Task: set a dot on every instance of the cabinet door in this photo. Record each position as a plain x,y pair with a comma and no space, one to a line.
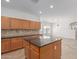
26,47
5,45
5,22
34,54
25,43
16,23
25,24
37,25
57,50
46,52
16,43
32,25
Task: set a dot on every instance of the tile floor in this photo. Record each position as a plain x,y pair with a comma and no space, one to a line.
68,51
18,54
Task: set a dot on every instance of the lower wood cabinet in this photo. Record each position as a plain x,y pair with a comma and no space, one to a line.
50,51
46,52
5,45
57,49
16,43
34,54
27,49
11,44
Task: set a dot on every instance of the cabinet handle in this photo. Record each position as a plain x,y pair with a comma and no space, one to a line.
55,47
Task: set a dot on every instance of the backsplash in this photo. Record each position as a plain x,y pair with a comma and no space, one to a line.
5,33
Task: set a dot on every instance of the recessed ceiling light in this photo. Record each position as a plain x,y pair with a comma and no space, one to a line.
51,6
40,12
7,0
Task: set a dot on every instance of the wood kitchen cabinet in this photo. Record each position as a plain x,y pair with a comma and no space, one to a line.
25,24
35,25
10,44
16,43
57,50
5,45
32,51
46,52
27,49
32,25
34,54
19,24
49,51
16,23
5,22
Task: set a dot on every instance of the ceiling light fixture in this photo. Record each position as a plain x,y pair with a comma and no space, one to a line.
51,6
7,0
40,12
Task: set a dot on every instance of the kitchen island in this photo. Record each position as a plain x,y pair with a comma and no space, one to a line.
42,48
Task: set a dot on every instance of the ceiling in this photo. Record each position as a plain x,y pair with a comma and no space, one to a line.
61,7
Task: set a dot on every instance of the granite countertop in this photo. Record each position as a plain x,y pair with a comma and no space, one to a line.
41,41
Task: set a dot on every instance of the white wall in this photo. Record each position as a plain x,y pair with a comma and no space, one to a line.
61,26
18,14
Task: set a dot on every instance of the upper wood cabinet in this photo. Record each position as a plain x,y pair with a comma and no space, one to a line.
25,24
16,23
5,22
35,25
32,25
5,45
